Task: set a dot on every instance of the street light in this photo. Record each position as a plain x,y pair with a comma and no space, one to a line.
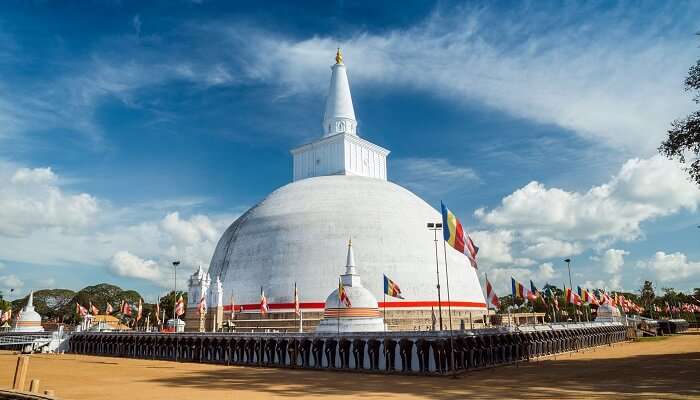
175,264
435,227
568,266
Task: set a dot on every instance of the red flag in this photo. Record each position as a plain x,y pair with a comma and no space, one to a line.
82,311
94,309
202,308
109,309
491,296
263,302
180,307
158,312
126,308
139,311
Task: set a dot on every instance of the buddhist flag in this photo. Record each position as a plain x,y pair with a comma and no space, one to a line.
491,296
94,309
80,310
297,307
454,234
391,288
180,307
263,302
519,291
342,295
109,309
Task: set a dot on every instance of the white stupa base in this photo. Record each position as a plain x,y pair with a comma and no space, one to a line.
28,329
332,325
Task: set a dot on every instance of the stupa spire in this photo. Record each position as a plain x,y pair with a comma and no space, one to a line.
350,277
339,116
30,302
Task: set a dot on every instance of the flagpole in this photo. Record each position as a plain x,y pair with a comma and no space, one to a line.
384,307
434,227
449,310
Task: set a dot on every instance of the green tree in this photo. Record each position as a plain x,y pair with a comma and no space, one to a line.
684,135
647,296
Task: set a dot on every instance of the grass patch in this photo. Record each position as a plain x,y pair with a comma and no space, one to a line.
653,338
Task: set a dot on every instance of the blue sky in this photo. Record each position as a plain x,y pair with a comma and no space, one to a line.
134,133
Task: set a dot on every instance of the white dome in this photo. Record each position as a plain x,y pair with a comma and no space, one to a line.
299,234
607,313
28,320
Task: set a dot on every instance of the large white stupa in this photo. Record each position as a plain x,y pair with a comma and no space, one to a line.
28,319
340,189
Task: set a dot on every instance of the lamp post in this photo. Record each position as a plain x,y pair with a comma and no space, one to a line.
175,264
568,266
435,227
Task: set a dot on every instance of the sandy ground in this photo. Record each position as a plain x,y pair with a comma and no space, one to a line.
668,368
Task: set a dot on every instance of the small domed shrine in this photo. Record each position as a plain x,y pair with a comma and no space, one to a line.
28,320
608,313
361,315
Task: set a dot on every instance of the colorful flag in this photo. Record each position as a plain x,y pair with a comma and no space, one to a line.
342,295
80,310
109,309
491,297
519,291
263,302
454,234
180,307
6,316
94,309
391,288
297,307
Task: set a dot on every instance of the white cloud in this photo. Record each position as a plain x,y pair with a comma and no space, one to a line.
642,190
613,283
500,277
591,71
494,246
126,264
11,281
32,199
612,260
673,267
42,224
596,76
546,247
431,175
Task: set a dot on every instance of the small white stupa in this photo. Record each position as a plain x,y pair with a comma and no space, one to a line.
608,313
362,315
28,320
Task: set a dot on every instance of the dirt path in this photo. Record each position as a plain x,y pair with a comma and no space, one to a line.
667,368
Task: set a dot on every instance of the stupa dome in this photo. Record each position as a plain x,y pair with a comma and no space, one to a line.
298,233
28,320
